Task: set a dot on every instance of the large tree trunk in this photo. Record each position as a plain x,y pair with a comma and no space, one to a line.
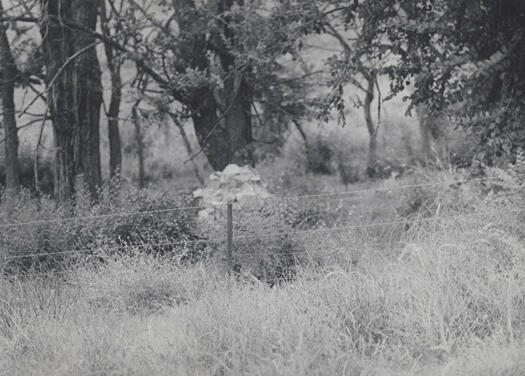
74,93
224,132
7,84
237,95
371,168
238,117
211,132
114,64
222,118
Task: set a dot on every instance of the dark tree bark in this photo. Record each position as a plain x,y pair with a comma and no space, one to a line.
8,76
211,132
224,129
74,93
222,118
424,133
187,145
140,145
115,148
237,95
114,65
238,116
301,132
371,168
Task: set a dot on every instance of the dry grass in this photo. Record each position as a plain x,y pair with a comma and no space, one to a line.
452,302
449,301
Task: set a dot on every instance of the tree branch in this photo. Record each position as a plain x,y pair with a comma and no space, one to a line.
20,19
59,72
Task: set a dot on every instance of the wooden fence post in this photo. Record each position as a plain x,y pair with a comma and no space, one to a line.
229,245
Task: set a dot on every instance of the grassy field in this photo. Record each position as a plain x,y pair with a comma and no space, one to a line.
449,300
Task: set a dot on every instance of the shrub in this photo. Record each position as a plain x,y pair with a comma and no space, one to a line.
263,247
276,238
344,151
319,156
149,223
437,192
328,151
27,172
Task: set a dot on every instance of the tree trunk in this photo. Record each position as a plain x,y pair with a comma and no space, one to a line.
237,94
425,133
73,81
371,168
189,149
301,132
238,118
226,138
222,118
140,145
7,83
115,149
210,131
224,131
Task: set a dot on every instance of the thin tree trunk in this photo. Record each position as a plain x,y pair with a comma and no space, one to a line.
140,145
301,132
371,168
115,148
7,83
74,94
188,147
37,156
425,133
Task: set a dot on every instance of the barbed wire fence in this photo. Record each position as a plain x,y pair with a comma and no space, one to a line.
234,246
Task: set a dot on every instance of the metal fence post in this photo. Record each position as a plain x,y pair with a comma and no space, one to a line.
229,245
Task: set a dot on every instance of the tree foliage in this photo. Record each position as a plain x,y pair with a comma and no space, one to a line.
235,68
462,56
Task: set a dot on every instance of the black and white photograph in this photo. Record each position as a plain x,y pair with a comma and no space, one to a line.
262,187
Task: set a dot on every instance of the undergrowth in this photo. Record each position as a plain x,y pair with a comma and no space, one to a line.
116,222
447,299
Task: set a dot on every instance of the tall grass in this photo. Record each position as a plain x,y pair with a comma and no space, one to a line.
449,300
118,220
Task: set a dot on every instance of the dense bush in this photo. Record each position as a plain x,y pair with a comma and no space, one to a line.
328,151
148,223
319,156
277,237
27,172
263,245
491,194
344,151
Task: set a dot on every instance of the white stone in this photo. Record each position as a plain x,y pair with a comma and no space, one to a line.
242,185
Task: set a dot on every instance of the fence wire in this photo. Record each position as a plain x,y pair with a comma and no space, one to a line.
97,217
325,230
267,235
